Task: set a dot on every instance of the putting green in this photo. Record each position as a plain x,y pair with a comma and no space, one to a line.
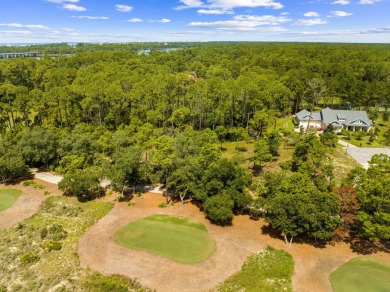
361,275
177,238
8,197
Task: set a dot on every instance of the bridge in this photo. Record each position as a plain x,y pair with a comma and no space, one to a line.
19,55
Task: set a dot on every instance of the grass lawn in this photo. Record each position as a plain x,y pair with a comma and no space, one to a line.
361,275
343,163
269,270
176,238
8,197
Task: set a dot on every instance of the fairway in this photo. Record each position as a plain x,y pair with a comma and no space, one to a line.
361,275
177,238
8,197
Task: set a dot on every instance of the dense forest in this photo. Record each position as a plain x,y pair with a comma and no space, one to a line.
105,111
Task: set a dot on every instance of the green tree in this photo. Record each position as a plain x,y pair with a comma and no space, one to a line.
298,208
261,152
219,209
83,184
12,167
38,146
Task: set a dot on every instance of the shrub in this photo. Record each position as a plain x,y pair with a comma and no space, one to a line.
162,205
219,209
29,257
98,282
29,182
241,148
50,245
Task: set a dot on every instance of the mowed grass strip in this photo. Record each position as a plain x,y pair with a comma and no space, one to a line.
361,275
8,197
177,238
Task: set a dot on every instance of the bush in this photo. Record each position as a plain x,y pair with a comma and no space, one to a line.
29,257
386,116
163,205
50,245
117,283
29,182
241,149
219,209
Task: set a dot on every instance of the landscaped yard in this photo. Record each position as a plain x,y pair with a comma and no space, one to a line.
361,275
8,197
177,238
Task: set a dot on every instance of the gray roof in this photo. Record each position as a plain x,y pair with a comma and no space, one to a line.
350,117
303,115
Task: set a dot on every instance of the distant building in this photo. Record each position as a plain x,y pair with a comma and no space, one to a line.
339,119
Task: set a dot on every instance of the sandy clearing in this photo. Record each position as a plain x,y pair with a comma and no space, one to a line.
98,251
27,204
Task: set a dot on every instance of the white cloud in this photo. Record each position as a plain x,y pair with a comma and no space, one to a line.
16,32
135,20
192,3
63,1
215,11
91,17
246,23
164,20
368,1
73,7
30,26
123,8
341,2
229,4
311,14
309,22
339,13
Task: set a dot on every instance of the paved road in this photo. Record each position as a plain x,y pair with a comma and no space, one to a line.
361,154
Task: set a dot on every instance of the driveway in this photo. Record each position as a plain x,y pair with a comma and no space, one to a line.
363,155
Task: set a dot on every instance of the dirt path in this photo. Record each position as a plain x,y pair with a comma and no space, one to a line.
98,251
26,205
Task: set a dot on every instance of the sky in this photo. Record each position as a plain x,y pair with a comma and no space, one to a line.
53,21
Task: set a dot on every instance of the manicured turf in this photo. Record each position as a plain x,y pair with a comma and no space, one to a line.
8,197
176,238
361,275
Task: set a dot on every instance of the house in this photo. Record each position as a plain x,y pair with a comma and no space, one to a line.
339,119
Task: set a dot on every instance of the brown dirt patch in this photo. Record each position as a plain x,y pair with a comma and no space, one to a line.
98,251
27,204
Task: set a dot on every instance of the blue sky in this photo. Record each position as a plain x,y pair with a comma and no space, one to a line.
39,21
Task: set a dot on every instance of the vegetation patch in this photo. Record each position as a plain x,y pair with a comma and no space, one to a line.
40,253
268,270
361,274
8,197
177,238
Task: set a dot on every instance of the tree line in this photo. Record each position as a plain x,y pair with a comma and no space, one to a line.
139,119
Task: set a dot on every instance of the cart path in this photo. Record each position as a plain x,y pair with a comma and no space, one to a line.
363,154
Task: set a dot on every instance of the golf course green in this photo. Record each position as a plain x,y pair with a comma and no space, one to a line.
361,275
8,197
177,238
